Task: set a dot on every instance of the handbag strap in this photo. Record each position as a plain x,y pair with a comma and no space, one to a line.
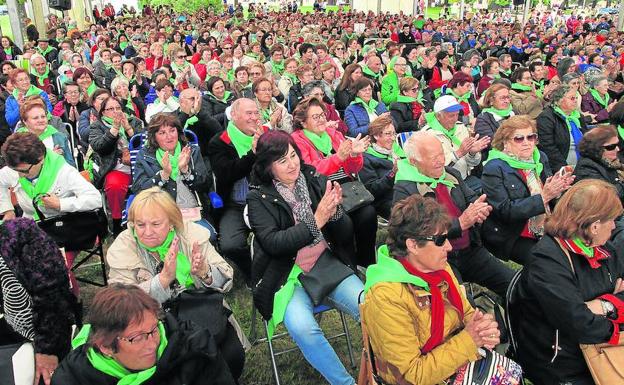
37,210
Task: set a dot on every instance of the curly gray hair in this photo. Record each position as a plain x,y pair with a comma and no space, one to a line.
559,93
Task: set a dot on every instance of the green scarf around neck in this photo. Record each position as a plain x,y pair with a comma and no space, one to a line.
173,160
46,51
32,90
521,87
589,251
500,113
48,132
408,172
277,67
620,130
371,151
52,165
241,141
183,264
177,68
575,117
435,125
602,100
8,51
110,366
370,107
322,142
110,122
461,99
388,269
40,78
225,98
293,78
370,72
91,89
516,163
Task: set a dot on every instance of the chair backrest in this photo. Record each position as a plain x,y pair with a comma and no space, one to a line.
368,371
401,137
72,141
510,299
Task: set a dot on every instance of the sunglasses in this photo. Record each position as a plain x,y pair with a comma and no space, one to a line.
437,240
521,138
27,170
610,147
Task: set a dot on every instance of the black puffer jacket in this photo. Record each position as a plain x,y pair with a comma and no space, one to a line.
377,176
278,238
554,137
190,358
588,168
403,115
215,108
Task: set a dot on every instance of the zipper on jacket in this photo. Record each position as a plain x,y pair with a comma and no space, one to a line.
556,346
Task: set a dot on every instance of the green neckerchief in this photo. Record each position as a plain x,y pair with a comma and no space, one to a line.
254,56
388,269
521,87
32,90
173,160
434,124
47,50
501,113
575,116
277,68
370,72
48,132
410,99
52,164
7,51
398,150
461,99
265,112
241,141
177,68
370,107
589,251
506,72
620,131
282,298
230,75
322,142
110,366
408,172
40,78
183,265
604,102
190,121
539,87
370,150
91,89
226,96
123,45
350,37
517,163
109,121
293,78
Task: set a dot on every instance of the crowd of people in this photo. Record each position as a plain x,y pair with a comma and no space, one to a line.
466,143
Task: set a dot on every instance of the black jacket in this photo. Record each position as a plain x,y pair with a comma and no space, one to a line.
216,108
206,127
551,298
146,174
294,97
512,203
227,166
554,137
404,117
191,357
376,174
486,125
278,238
461,194
343,98
588,168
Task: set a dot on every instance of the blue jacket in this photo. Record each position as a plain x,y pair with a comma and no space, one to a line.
12,109
356,118
61,140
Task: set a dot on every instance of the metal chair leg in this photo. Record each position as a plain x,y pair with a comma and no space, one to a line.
348,338
252,332
271,352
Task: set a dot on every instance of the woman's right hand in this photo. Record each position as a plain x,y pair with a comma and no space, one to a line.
344,150
483,329
168,273
328,204
45,365
555,185
166,166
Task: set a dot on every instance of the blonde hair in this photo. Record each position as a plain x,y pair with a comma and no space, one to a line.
157,198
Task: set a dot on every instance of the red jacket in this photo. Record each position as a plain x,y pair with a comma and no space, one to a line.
436,78
330,164
483,85
151,63
332,115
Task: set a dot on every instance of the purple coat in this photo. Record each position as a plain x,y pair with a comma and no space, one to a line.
591,106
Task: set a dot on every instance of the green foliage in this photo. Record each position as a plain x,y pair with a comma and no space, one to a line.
501,3
187,6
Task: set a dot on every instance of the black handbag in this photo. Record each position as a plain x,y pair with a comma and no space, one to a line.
355,195
204,308
74,230
326,274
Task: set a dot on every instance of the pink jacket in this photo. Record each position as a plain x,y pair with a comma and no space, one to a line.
330,164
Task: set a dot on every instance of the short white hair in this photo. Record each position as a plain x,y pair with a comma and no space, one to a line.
412,146
119,81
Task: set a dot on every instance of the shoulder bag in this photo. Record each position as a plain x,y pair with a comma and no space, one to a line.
324,277
355,195
492,369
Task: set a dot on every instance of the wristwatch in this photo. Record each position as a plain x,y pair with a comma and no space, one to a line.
607,308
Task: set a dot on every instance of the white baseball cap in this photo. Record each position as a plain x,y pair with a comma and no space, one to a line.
446,103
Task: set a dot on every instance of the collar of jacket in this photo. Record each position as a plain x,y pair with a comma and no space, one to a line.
269,192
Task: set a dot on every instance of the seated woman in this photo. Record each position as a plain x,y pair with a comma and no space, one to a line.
108,136
570,278
218,99
272,114
319,90
126,342
131,72
409,107
132,102
597,102
461,87
520,187
496,108
22,89
380,164
363,109
421,327
561,127
295,214
339,159
85,79
70,107
167,161
600,158
491,68
35,297
91,115
524,99
143,255
345,94
241,82
35,118
165,101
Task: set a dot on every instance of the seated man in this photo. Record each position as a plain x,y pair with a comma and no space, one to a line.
127,343
424,173
233,155
461,151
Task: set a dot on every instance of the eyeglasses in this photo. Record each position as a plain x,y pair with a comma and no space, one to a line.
26,171
227,47
415,89
610,147
142,337
389,133
255,73
521,138
264,90
437,240
116,109
318,117
339,49
181,57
